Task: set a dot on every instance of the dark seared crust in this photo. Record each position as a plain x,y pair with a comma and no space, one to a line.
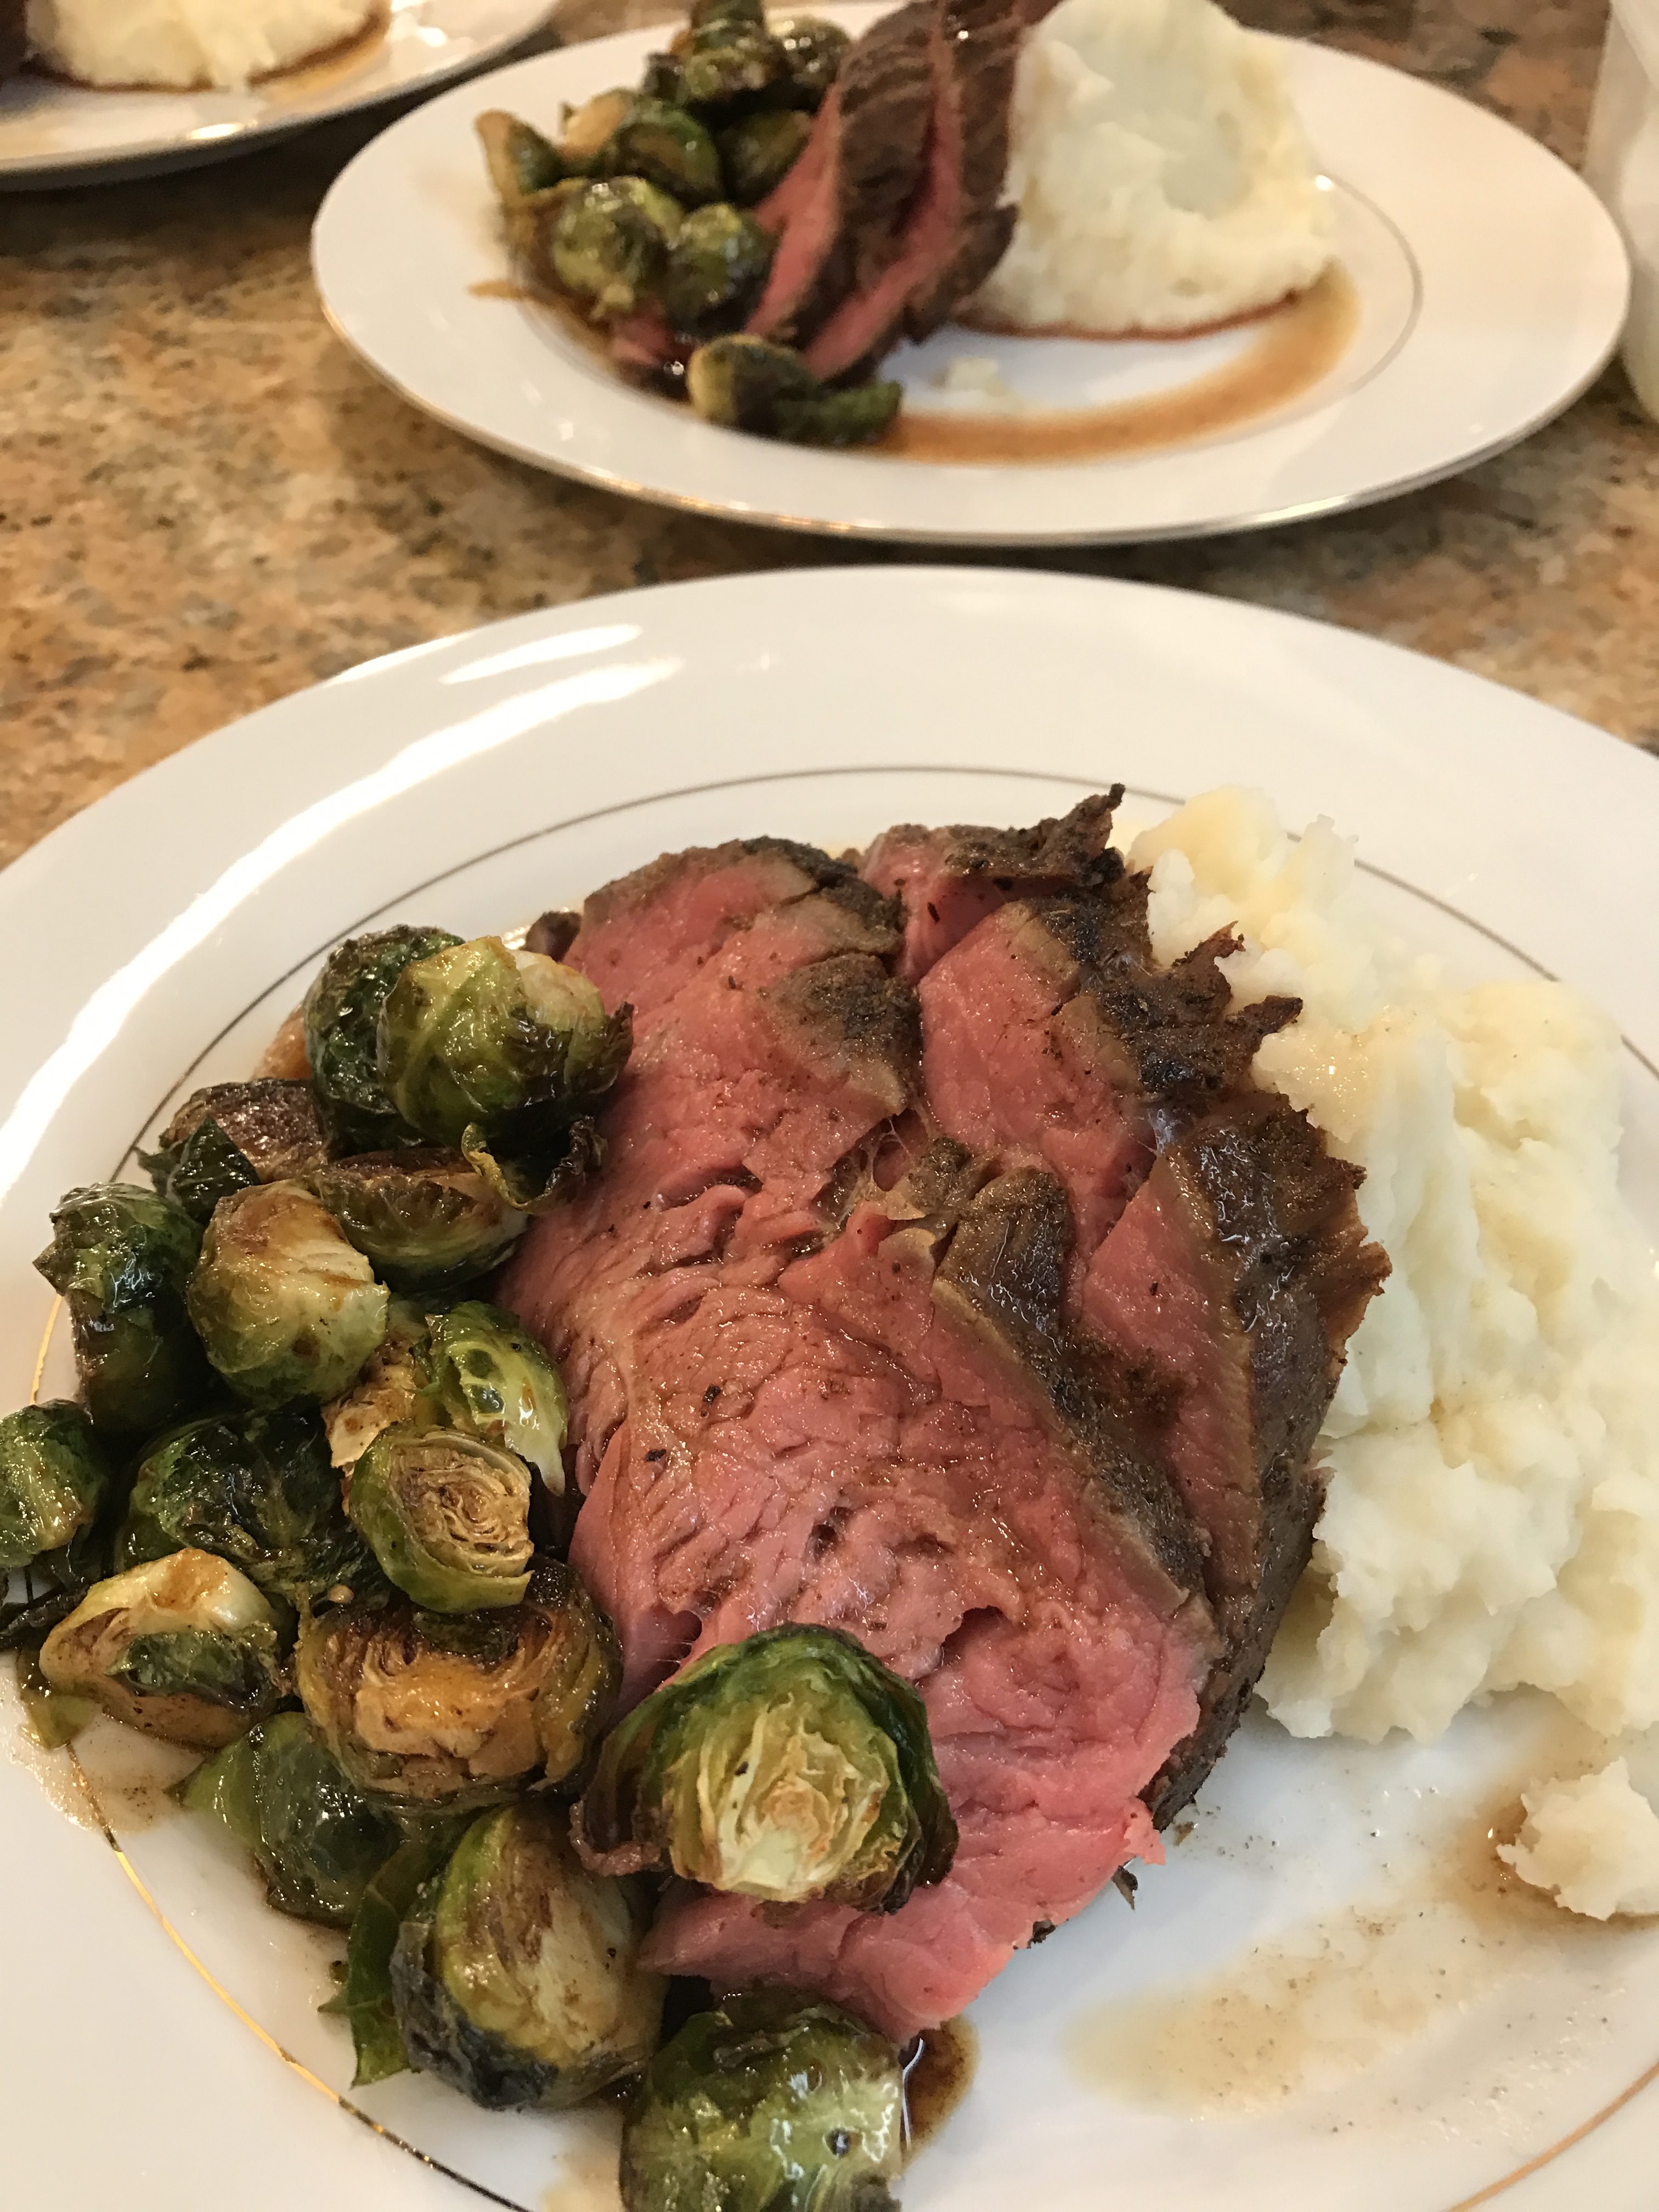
796,871
1065,852
976,47
1004,1278
856,1018
553,933
886,87
1285,1237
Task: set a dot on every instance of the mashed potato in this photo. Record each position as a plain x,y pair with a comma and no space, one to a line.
187,43
1163,180
1594,1842
1492,1517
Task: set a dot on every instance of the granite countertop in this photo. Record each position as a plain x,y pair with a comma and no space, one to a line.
205,502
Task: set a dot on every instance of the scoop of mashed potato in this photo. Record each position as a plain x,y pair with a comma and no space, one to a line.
185,44
1593,1843
1493,1514
1162,177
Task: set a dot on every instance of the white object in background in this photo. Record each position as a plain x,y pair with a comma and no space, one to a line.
1621,163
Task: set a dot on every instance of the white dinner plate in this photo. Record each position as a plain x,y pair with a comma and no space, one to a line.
52,133
1492,287
155,943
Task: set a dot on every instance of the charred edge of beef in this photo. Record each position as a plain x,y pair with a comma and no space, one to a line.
1003,1278
817,871
856,1017
553,934
1066,852
886,85
1284,1226
976,49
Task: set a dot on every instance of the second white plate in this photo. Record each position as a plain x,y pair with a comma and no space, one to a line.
1491,288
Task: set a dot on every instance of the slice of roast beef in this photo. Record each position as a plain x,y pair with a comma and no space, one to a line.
953,232
1241,1266
947,880
836,215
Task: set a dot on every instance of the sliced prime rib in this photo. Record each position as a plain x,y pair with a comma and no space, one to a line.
836,215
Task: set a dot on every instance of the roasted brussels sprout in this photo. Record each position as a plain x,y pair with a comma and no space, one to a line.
749,384
516,1976
758,153
715,270
183,1647
813,51
363,1999
318,1840
727,62
285,1306
342,1014
454,1709
609,242
256,1488
447,1516
521,161
387,1386
426,1219
769,2103
737,14
121,1258
232,1135
490,1376
502,1053
589,128
790,1766
662,80
54,1479
670,149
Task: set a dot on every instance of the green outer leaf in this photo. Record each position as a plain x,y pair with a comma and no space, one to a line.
223,1788
121,1257
537,1182
385,1487
489,1377
196,1175
236,1672
426,1218
54,1476
627,1815
363,1999
342,1014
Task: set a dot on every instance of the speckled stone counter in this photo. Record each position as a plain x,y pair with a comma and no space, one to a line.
205,502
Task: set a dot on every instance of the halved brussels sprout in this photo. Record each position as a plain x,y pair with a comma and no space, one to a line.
387,1388
318,1841
341,1013
769,2102
285,1306
426,1218
588,129
750,383
516,1976
669,149
454,1709
54,1479
758,153
121,1258
715,270
609,244
790,1766
447,1516
501,1053
521,161
257,1489
183,1647
232,1135
363,1999
813,51
490,1377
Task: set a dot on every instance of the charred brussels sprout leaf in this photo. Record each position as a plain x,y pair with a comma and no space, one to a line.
758,153
589,128
749,384
387,1388
447,1516
813,51
543,1178
183,1647
768,2103
715,270
54,1479
286,1306
341,1013
426,1219
364,1998
670,149
516,1976
521,162
121,1258
727,62
609,242
790,1766
490,1377
257,1489
457,1709
318,1841
232,1135
662,80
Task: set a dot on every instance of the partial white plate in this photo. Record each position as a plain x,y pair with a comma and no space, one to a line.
1492,287
478,780
52,133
